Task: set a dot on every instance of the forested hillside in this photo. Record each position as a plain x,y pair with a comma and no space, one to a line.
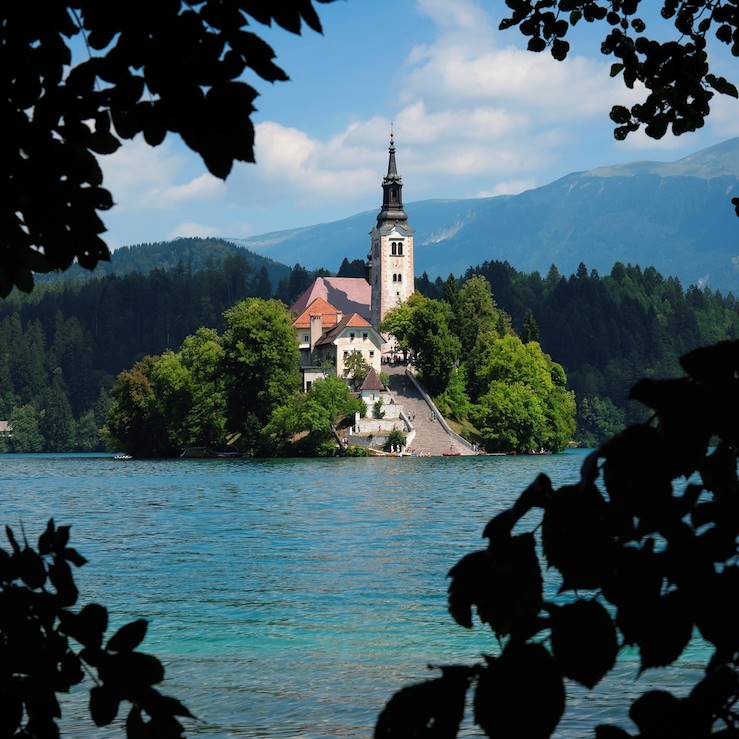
62,346
607,331
194,254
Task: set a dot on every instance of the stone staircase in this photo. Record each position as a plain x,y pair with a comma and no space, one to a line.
431,438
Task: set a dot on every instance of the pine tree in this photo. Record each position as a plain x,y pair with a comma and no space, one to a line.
56,423
530,328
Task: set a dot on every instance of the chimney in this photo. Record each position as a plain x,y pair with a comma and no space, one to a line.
316,329
339,316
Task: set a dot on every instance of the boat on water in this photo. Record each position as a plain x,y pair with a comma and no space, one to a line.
122,457
225,455
199,452
451,454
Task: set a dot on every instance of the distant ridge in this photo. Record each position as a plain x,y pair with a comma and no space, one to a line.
192,253
676,216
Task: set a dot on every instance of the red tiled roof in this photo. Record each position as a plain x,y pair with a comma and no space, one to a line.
352,321
355,320
347,294
319,307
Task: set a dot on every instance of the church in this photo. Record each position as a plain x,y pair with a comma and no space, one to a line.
336,316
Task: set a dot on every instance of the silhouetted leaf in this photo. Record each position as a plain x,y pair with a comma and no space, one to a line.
11,538
31,568
429,710
104,705
659,713
662,629
504,583
717,610
584,641
520,694
576,536
716,363
73,556
46,540
128,637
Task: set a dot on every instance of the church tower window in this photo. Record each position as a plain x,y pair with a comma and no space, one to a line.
393,248
400,278
395,277
400,248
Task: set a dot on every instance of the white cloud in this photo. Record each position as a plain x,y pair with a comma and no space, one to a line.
143,177
724,116
204,187
468,108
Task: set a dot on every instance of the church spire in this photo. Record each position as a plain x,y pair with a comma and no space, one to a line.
392,190
392,169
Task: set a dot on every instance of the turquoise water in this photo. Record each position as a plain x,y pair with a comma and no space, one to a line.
290,598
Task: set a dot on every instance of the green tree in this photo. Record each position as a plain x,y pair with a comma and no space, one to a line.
136,422
27,438
398,323
477,313
454,402
316,413
171,68
205,422
86,433
538,412
263,287
357,367
530,328
511,417
435,348
598,419
56,422
261,362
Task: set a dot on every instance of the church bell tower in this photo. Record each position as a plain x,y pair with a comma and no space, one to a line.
391,247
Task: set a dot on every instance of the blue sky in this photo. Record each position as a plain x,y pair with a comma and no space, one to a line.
475,115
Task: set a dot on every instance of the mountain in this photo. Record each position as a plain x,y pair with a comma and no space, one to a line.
676,216
195,254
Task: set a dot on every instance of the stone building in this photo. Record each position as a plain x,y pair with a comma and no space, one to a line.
390,267
391,274
334,312
326,339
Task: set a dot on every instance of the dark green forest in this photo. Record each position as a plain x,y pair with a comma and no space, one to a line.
62,347
606,331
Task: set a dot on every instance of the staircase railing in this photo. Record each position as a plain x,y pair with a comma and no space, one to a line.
442,421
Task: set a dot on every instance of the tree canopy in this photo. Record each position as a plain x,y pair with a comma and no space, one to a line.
150,69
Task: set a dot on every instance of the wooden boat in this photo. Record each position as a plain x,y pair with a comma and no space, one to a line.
451,454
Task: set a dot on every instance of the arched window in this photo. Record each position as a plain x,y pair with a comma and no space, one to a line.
400,278
400,248
395,277
393,248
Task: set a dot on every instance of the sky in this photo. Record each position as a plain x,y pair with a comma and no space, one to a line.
475,115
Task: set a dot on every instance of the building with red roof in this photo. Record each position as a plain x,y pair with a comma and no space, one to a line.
337,316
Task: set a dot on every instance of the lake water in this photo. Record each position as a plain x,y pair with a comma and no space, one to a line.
291,598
